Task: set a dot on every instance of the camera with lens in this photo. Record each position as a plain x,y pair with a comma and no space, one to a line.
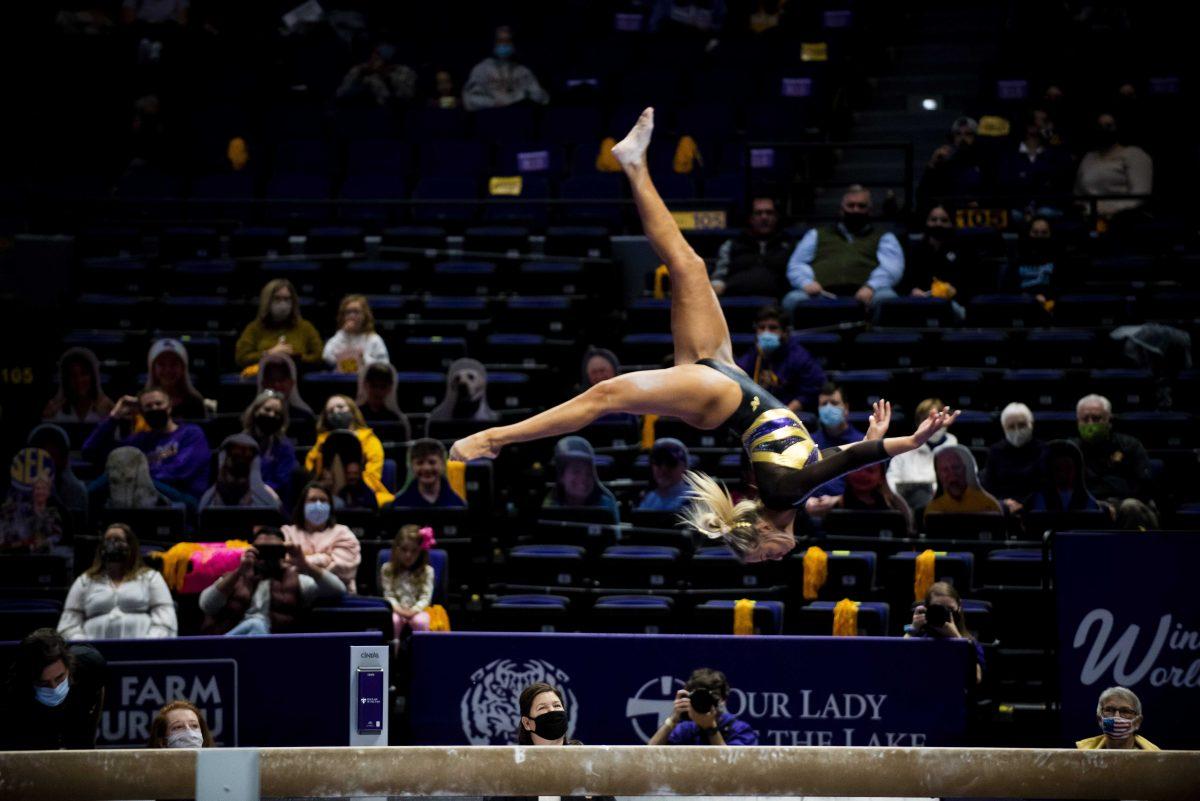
936,615
269,564
702,700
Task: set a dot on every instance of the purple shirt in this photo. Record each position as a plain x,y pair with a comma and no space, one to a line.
800,375
733,731
180,458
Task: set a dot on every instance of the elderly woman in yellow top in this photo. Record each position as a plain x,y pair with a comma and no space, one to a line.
341,413
1119,713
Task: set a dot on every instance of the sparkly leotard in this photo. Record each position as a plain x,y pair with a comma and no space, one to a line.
787,464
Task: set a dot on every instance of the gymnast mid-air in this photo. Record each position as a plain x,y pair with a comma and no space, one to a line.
706,389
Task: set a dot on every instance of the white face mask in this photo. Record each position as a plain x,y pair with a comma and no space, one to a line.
1018,436
280,309
185,738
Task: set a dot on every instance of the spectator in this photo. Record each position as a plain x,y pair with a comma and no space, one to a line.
167,369
379,80
355,345
543,717
867,491
177,452
1014,464
1038,267
127,483
1117,466
851,256
269,591
54,695
833,416
71,492
377,398
406,580
576,481
955,169
1035,172
699,717
277,372
80,397
599,364
445,93
118,597
958,484
266,422
780,364
179,724
326,543
1062,488
755,261
427,487
31,519
340,414
1113,168
278,329
911,475
668,463
499,81
937,267
466,394
239,477
948,624
1119,713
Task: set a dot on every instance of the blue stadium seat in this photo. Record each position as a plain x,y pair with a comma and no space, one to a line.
419,391
886,525
1126,389
434,188
718,568
1160,429
591,241
379,277
433,124
189,242
433,353
529,613
638,567
379,157
549,316
303,157
257,241
916,312
496,239
452,158
1040,389
547,565
861,388
956,567
439,560
716,617
122,276
464,277
824,312
646,348
634,614
1014,567
596,186
551,278
1005,311
816,619
958,389
513,123
573,125
899,348
214,276
334,240
979,526
977,429
294,197
306,276
848,574
1058,349
522,209
381,187
1105,310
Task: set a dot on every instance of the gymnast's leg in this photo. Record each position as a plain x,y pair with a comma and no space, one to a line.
697,322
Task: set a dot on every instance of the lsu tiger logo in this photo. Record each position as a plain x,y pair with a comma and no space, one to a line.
489,708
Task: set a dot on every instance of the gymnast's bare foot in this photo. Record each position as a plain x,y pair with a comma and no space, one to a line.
631,151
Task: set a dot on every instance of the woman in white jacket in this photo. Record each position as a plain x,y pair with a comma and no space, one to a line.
355,345
118,597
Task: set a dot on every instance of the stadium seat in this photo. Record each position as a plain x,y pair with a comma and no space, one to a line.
551,278
1014,567
974,348
718,568
1160,429
529,613
1005,311
959,389
1053,348
439,560
638,567
816,619
1126,389
1040,389
886,525
716,617
916,312
826,312
1088,310
956,567
380,277
966,526
632,614
464,277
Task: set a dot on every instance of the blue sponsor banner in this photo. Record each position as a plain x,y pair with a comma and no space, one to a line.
1129,615
619,688
282,690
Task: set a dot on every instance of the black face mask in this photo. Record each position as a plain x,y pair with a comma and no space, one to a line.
268,423
115,552
551,725
939,233
339,420
239,470
855,221
157,419
1106,138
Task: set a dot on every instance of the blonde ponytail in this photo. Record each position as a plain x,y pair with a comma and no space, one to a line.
713,513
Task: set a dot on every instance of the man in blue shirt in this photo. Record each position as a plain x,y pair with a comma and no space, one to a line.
687,725
780,364
668,463
833,431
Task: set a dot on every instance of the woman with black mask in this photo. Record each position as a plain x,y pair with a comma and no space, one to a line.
1113,168
266,420
1038,268
936,267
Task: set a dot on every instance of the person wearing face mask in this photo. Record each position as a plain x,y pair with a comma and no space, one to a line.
1038,268
955,168
1112,168
782,365
958,489
544,719
167,367
179,724
577,483
936,267
1014,464
849,257
911,475
177,453
1117,467
946,623
239,477
688,725
500,81
326,543
342,414
279,328
1119,715
833,431
266,421
755,261
118,597
53,696
1034,172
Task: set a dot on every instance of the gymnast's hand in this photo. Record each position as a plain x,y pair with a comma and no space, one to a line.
881,418
477,446
935,422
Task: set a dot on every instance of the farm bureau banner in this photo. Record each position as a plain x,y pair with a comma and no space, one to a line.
619,688
1129,615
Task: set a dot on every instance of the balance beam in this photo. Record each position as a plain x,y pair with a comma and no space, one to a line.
619,770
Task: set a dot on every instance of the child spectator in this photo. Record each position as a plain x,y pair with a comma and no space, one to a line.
340,414
406,580
377,396
179,724
427,486
576,481
80,397
668,463
266,421
277,372
326,543
279,328
355,345
167,368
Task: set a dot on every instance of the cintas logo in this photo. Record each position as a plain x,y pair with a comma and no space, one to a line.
489,709
652,704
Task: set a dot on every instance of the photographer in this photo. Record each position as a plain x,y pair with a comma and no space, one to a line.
699,716
269,591
54,695
940,616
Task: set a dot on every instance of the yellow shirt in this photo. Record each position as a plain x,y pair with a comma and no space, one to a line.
257,339
973,500
372,474
1097,743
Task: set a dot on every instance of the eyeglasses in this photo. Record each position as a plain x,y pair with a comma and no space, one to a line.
1115,711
